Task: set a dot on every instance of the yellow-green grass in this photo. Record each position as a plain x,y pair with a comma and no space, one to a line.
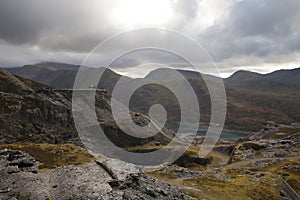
162,176
52,156
217,159
238,186
292,177
282,133
243,187
146,148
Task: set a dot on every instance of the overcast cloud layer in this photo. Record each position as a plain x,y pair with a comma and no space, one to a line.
260,35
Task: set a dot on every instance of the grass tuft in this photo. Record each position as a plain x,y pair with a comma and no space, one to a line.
52,156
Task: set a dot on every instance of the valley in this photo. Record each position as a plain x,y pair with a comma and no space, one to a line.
39,140
149,100
253,100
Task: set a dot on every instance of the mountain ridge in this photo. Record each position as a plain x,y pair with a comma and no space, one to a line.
41,114
252,98
274,81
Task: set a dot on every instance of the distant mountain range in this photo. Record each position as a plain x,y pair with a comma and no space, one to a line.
278,81
252,98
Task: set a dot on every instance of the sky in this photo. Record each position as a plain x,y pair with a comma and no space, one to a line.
256,35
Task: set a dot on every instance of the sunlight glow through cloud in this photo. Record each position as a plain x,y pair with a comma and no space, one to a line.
133,13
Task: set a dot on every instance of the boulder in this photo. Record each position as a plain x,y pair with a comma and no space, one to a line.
14,161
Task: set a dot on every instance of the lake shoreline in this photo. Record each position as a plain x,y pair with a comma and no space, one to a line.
227,134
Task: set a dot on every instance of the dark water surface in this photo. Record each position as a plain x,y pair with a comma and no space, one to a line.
225,135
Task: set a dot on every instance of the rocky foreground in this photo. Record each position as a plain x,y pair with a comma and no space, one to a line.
21,179
263,166
266,165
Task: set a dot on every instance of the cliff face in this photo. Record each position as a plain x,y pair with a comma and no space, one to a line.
35,118
32,115
35,114
9,83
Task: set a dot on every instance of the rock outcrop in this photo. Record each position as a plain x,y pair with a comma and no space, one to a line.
40,115
14,161
89,181
272,142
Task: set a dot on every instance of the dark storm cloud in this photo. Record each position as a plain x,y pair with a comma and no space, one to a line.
53,25
264,17
21,22
65,30
255,28
65,25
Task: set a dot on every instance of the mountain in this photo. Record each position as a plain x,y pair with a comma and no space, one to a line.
9,83
30,114
168,74
247,108
158,94
278,81
289,76
37,114
256,98
252,98
61,75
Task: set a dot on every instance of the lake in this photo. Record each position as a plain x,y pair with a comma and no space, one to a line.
225,135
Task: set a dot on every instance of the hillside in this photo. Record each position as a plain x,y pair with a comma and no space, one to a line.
275,82
61,75
247,109
252,98
44,115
